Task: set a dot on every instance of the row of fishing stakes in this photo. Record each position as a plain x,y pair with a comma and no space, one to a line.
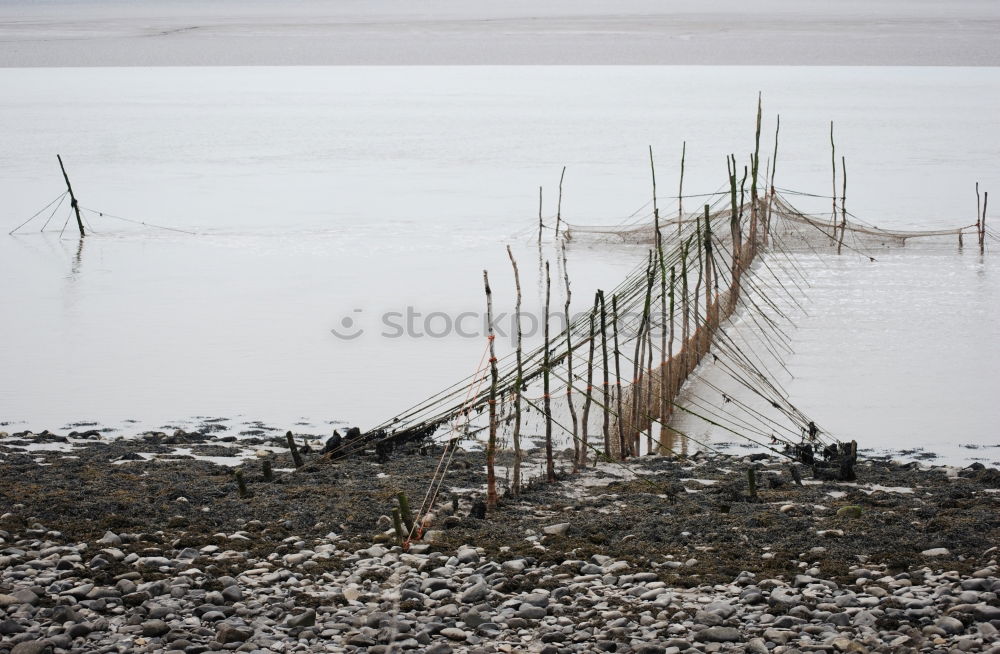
629,413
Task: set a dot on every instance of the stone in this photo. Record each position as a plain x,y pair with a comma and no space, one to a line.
936,551
718,635
9,627
230,633
232,594
560,529
531,612
476,593
154,628
32,647
439,648
454,633
110,538
306,619
515,566
950,625
852,511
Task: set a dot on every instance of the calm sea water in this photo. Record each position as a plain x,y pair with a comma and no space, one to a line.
316,194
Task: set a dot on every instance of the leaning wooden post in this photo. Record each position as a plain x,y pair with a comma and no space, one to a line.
843,205
638,376
404,511
618,377
72,197
397,525
680,192
590,388
606,372
569,364
241,484
979,227
294,449
982,224
833,164
491,445
666,434
755,165
559,203
540,223
550,469
774,167
518,382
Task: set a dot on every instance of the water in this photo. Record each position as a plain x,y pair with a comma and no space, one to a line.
319,193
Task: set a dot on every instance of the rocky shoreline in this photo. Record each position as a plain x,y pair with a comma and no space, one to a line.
104,550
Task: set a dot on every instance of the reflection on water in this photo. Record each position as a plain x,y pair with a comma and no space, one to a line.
318,192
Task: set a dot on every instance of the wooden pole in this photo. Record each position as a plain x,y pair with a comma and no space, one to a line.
569,364
559,203
774,167
518,382
540,223
755,165
590,387
606,373
293,448
72,197
979,228
982,225
618,377
550,469
843,205
666,435
491,445
833,164
680,192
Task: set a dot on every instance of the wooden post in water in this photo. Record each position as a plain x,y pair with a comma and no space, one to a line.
833,163
559,203
680,192
569,364
540,223
755,165
72,197
491,444
584,428
606,372
774,166
294,449
618,378
843,205
518,382
979,228
982,224
550,469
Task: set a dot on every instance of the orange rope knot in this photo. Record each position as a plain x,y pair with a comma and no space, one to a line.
491,337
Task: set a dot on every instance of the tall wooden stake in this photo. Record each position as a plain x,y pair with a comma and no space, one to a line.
550,469
541,225
491,445
680,192
569,364
518,382
559,203
774,167
590,388
606,372
843,205
72,197
833,164
982,224
618,378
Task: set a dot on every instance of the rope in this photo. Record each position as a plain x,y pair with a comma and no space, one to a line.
59,199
